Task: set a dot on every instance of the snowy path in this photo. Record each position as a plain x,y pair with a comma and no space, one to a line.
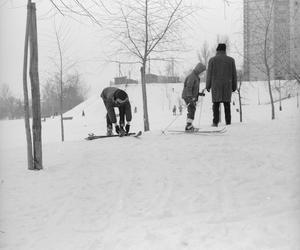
239,190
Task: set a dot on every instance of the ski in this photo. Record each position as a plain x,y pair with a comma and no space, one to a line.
93,136
201,131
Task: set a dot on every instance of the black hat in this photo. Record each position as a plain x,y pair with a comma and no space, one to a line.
121,94
221,47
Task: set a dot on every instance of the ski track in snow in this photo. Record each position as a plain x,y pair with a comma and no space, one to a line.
238,190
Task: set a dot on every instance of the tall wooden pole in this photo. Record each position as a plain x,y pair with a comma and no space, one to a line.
240,102
280,106
30,165
35,92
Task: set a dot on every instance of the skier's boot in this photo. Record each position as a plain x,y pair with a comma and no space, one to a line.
109,131
189,127
214,124
122,131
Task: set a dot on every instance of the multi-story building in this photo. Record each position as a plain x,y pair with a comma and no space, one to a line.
271,36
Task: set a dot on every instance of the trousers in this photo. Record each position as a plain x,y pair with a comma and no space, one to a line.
216,112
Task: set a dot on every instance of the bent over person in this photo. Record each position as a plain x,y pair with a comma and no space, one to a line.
190,94
221,79
114,97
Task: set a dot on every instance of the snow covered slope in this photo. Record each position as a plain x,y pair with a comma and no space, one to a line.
238,190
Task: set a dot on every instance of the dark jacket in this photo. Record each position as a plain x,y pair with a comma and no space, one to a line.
192,82
221,77
108,96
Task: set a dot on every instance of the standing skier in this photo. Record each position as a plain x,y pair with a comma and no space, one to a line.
114,97
190,94
221,79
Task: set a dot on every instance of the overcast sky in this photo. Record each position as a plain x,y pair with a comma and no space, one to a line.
87,45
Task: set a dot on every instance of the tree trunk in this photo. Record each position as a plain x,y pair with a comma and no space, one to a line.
268,67
35,92
144,93
61,113
61,95
25,90
271,97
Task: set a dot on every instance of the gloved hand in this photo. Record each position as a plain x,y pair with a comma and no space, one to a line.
117,128
208,90
127,128
201,94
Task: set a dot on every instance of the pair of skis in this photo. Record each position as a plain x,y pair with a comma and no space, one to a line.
200,131
93,136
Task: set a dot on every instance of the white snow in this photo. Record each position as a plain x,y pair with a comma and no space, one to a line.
238,190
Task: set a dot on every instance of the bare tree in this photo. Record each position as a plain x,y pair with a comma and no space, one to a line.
85,9
263,60
266,54
63,64
204,54
141,32
59,47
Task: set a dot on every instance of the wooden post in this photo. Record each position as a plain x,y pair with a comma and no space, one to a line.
240,101
297,100
35,92
280,106
30,165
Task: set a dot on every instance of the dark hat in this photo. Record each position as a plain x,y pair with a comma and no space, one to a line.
221,47
121,94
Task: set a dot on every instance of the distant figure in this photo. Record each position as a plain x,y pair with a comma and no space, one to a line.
190,94
135,109
174,110
180,109
83,114
114,97
222,80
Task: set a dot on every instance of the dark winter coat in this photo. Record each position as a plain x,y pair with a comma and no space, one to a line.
191,83
109,99
221,77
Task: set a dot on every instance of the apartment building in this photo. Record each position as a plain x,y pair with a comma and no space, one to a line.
272,35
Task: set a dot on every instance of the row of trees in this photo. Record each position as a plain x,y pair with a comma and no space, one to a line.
74,92
11,107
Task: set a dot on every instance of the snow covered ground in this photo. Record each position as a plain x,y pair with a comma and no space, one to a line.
238,190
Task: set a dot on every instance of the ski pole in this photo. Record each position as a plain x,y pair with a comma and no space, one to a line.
164,131
201,94
200,113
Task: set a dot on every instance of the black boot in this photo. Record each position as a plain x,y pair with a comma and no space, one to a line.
189,127
109,131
